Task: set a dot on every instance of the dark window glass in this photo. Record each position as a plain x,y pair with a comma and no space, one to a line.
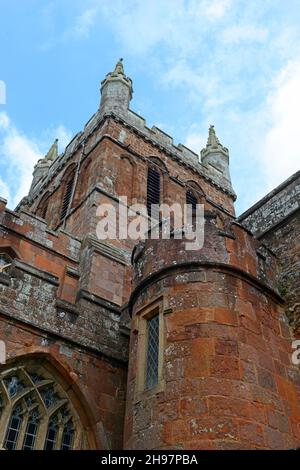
51,436
49,396
152,352
13,429
67,437
153,191
31,431
14,385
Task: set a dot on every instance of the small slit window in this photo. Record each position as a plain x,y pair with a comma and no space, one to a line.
152,352
149,326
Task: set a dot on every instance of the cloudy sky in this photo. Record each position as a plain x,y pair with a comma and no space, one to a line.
231,63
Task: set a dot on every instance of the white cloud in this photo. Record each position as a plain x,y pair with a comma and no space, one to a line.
195,141
83,24
179,25
2,92
215,9
4,190
62,134
19,154
237,33
280,149
4,120
22,154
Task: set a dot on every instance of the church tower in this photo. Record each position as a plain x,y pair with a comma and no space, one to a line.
192,346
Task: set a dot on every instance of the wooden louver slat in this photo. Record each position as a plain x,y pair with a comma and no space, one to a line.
153,189
67,197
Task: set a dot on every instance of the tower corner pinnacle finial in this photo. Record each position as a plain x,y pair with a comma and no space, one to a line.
215,155
212,137
213,143
53,152
116,90
119,68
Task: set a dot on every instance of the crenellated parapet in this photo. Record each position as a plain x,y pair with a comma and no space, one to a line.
234,249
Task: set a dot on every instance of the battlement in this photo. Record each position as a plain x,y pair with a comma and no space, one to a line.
156,136
234,249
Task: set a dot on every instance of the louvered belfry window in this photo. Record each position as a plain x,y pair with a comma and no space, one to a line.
191,199
153,191
152,352
67,197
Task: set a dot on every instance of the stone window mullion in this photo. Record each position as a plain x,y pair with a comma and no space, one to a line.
22,431
59,436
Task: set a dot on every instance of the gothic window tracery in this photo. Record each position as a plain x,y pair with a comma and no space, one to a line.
35,411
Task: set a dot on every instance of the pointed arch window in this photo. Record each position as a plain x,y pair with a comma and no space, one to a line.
153,191
35,411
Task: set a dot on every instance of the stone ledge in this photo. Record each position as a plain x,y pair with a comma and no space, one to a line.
66,306
72,272
33,271
107,250
95,299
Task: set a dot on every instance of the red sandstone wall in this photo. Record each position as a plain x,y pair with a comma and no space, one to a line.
228,378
